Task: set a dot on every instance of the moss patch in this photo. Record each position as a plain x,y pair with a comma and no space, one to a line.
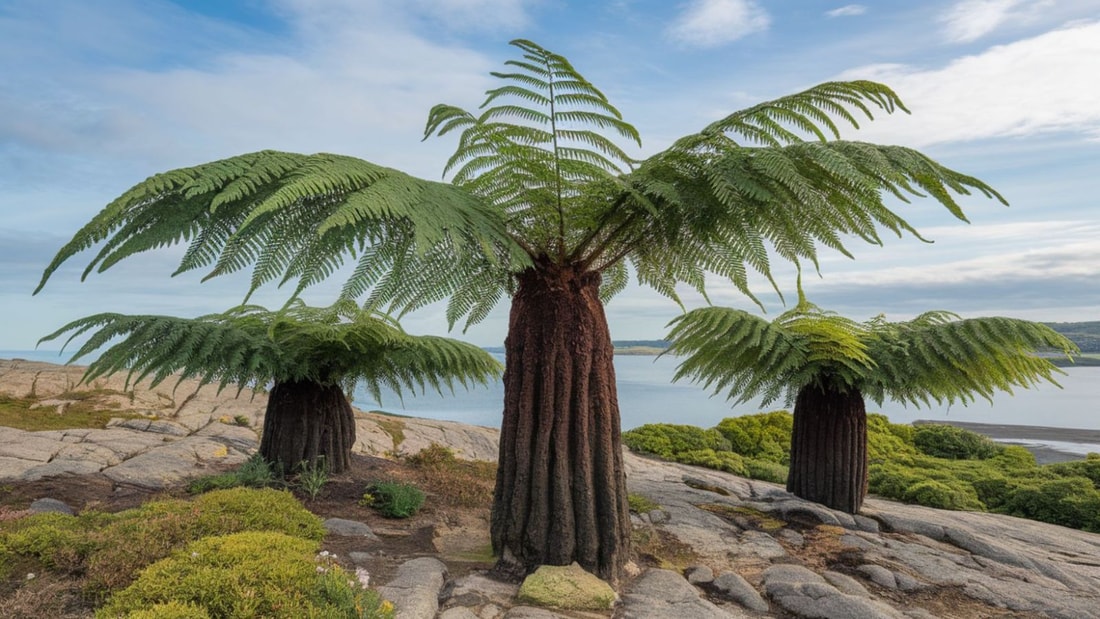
87,409
745,517
567,587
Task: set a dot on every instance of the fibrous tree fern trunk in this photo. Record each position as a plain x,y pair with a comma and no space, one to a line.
307,422
829,448
561,490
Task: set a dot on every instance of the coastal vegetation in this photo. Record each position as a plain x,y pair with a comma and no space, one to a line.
228,553
826,365
929,464
545,206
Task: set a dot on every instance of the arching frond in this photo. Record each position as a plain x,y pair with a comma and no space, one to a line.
938,357
733,351
725,209
250,346
293,217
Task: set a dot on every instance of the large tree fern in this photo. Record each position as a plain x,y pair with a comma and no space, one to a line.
546,206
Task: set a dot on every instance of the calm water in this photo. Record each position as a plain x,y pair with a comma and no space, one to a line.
646,395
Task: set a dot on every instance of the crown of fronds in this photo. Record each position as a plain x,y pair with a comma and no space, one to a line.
292,217
251,346
540,170
935,356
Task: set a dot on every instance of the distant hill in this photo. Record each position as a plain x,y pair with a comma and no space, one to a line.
1085,334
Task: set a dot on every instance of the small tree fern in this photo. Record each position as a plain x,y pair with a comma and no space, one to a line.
545,206
311,356
826,365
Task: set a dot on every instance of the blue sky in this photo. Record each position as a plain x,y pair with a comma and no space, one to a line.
96,96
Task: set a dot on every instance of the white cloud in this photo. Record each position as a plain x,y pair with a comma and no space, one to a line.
970,20
847,10
710,23
1039,85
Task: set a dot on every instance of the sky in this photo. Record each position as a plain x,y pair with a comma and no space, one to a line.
97,96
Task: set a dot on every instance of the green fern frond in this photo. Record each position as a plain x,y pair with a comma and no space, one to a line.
249,345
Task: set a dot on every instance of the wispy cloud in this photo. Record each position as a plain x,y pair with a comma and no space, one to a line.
847,10
1037,85
710,23
970,20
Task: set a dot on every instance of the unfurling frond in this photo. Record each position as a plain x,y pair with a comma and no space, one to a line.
250,346
540,137
293,217
932,357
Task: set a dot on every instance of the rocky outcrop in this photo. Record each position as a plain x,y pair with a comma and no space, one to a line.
177,431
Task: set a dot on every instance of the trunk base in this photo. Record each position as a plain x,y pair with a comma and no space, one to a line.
308,424
829,448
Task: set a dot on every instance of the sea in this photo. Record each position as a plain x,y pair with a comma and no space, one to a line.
648,395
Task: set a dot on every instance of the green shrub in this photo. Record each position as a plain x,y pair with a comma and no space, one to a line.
1088,468
932,493
888,442
393,499
1014,458
1072,502
312,477
246,509
994,491
249,574
6,559
719,460
764,436
952,443
766,471
57,540
666,439
171,610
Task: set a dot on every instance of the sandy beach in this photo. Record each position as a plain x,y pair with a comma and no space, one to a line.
1029,436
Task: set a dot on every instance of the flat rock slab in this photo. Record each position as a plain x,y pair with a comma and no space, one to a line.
415,588
664,594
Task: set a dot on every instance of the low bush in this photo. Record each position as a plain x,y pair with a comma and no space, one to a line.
764,436
1071,502
667,439
942,495
393,499
109,549
719,460
952,443
766,471
170,610
1088,468
249,574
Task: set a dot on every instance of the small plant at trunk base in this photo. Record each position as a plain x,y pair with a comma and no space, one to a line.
314,357
254,473
393,499
545,206
312,477
826,365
